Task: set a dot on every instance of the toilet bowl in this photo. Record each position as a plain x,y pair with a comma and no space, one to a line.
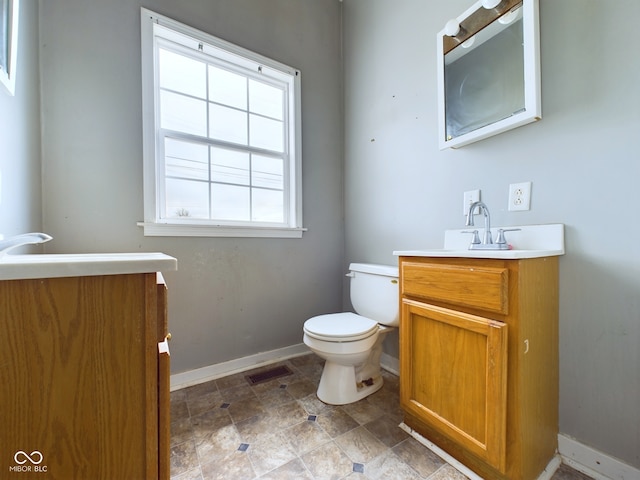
351,343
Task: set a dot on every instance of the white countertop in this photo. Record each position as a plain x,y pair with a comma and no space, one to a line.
531,241
496,254
17,267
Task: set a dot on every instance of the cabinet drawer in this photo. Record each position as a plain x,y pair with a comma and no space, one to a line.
483,287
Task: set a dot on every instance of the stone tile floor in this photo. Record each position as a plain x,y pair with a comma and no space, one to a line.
226,429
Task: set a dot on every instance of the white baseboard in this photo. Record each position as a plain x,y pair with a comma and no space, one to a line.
546,474
389,363
593,462
578,456
441,453
219,370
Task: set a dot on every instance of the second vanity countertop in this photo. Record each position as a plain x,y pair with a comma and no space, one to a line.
17,267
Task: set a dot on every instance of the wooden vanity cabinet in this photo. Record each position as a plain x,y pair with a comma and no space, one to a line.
479,360
82,381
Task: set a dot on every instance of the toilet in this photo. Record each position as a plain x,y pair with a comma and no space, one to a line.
351,343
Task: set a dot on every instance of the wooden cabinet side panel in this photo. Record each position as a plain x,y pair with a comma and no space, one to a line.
74,361
164,375
151,369
537,356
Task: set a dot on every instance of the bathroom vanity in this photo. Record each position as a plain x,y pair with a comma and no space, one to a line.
479,359
84,366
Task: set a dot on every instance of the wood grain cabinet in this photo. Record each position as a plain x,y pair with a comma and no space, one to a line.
84,391
479,360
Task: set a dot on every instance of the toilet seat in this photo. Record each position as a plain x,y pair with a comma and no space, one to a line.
340,327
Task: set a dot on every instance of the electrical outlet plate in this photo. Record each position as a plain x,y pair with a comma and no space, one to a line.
520,196
470,197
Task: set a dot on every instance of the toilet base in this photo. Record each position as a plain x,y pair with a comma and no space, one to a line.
339,386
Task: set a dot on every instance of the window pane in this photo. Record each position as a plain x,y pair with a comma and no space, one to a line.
266,172
230,202
185,198
266,100
267,206
183,114
229,166
266,133
182,74
186,159
227,88
227,124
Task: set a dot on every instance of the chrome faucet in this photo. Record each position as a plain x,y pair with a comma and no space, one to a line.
25,239
487,240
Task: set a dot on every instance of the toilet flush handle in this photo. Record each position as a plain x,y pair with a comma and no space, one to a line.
350,274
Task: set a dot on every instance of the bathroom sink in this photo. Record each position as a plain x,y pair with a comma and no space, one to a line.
531,241
25,266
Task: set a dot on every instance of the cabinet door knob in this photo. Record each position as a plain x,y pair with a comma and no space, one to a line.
168,337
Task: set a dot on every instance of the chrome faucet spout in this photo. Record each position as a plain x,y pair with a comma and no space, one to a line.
25,239
487,239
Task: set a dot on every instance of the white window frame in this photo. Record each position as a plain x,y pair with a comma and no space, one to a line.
9,43
157,28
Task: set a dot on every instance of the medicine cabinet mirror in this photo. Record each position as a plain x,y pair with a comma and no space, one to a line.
488,71
8,43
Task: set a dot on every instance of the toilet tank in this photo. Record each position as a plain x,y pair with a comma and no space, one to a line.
374,292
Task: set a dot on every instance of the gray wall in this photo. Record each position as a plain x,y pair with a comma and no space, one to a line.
583,158
230,298
20,200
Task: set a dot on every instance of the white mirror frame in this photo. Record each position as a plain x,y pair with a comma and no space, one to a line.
532,97
10,40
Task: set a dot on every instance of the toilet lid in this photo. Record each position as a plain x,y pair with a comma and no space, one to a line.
340,327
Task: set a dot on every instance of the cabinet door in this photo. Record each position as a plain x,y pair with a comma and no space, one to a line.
453,375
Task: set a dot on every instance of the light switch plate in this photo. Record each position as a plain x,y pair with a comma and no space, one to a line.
470,197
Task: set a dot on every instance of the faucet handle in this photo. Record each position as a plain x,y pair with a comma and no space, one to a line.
501,240
476,238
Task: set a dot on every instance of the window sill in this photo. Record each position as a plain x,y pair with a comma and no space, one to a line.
181,230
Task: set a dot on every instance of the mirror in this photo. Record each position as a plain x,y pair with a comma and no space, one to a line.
488,71
8,43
